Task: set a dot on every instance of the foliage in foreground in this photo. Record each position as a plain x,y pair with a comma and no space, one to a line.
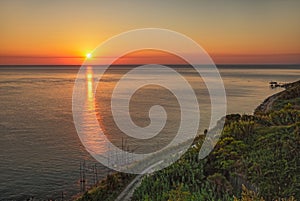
107,189
257,158
260,152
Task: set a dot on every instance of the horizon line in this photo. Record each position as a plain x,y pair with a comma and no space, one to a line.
170,64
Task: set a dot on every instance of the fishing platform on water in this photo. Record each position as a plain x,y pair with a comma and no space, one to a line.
274,84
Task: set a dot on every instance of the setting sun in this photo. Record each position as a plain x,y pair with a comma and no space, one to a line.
88,55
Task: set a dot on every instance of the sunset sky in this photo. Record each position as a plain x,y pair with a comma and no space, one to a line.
64,31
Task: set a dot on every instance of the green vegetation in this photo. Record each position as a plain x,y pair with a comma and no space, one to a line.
183,180
258,152
257,158
107,189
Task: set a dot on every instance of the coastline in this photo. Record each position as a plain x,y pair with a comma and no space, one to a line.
255,159
289,92
241,179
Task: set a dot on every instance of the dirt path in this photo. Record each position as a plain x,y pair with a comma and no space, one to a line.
128,191
267,104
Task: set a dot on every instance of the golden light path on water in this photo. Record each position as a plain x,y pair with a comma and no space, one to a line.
97,142
90,82
91,135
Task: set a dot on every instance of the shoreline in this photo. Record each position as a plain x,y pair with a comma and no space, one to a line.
267,105
263,108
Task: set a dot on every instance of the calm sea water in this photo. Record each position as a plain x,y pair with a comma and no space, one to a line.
40,149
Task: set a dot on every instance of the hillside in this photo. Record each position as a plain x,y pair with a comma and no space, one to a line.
256,158
277,101
259,154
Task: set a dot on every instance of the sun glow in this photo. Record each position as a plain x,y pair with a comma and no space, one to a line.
88,55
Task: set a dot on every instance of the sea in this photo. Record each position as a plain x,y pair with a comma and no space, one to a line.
41,153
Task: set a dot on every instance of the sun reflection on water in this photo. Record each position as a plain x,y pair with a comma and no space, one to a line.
90,93
91,131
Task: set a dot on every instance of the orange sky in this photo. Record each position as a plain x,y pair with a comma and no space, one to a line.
63,32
